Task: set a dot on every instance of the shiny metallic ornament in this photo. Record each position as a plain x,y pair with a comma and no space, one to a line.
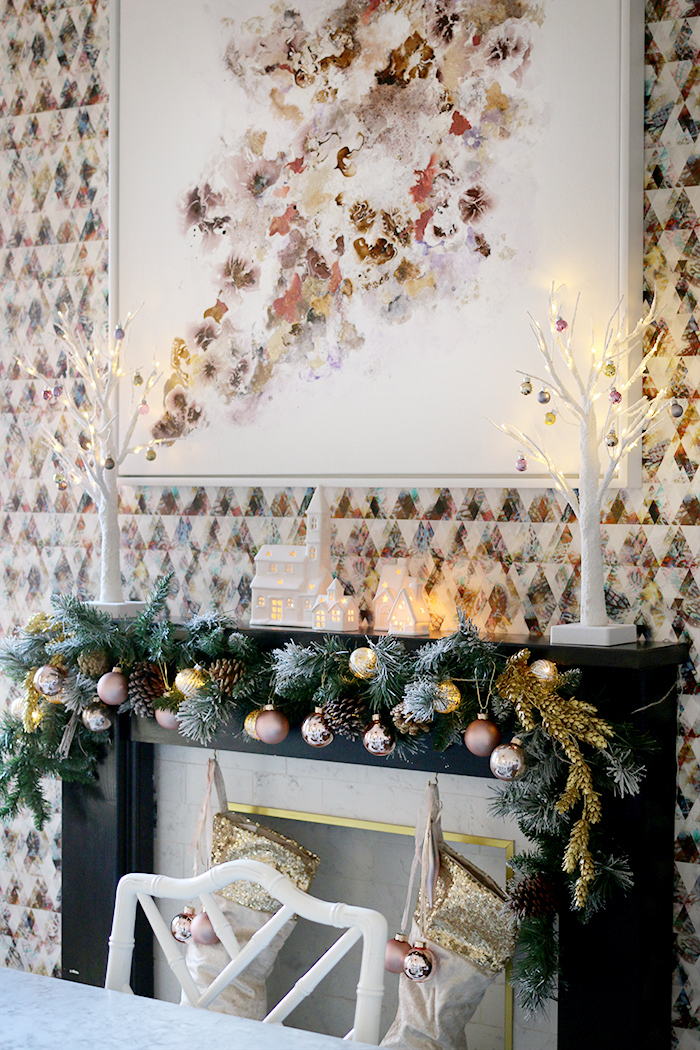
96,717
676,409
609,369
249,724
560,324
363,662
119,332
521,463
202,930
314,730
109,463
615,396
151,455
190,681
57,391
611,439
545,670
17,707
271,726
396,951
138,379
113,687
144,409
482,735
62,485
508,761
449,697
544,396
378,740
419,963
526,387
181,925
49,681
47,394
550,418
167,719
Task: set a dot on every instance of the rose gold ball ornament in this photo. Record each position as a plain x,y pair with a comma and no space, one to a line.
181,925
545,670
167,719
508,761
449,697
250,722
113,687
189,681
49,681
396,951
363,662
482,735
202,930
271,726
378,740
419,963
96,717
314,730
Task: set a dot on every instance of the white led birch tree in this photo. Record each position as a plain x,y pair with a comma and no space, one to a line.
593,395
85,445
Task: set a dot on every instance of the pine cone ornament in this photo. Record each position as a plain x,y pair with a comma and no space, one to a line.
146,684
345,715
407,723
94,663
533,896
226,673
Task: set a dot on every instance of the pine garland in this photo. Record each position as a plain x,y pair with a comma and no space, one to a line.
577,762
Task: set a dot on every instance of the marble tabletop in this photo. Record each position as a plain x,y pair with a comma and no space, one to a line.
43,1013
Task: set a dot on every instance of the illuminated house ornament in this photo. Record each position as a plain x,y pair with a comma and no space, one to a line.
289,579
336,611
399,603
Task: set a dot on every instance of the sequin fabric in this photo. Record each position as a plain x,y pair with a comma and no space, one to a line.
251,841
469,917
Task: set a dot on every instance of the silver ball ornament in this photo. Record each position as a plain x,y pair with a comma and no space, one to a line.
508,761
49,681
314,730
544,396
181,925
96,718
419,963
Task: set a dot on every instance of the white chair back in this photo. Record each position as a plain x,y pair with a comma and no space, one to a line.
358,922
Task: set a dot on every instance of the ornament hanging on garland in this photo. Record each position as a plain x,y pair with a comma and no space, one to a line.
49,681
17,707
202,930
113,687
190,681
419,963
508,761
96,717
181,925
314,730
545,670
363,662
271,726
449,697
250,722
377,739
482,735
396,951
166,718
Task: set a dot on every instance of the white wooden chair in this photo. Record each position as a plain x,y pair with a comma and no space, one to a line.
358,922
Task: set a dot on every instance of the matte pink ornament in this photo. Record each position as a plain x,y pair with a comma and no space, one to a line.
144,409
167,719
396,951
113,687
202,930
271,726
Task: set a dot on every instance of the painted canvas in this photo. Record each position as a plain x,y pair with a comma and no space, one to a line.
338,214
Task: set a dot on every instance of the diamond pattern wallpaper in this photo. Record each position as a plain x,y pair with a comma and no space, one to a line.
510,557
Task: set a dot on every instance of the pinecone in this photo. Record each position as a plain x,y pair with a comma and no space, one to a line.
226,673
94,663
533,896
345,715
146,684
405,722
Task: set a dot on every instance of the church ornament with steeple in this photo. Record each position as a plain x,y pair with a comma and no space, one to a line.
289,579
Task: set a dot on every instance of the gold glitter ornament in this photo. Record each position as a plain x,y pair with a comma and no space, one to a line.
549,418
449,697
545,670
363,662
249,723
151,455
190,681
609,369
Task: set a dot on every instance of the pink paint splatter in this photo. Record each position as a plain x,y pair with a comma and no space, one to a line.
425,181
287,305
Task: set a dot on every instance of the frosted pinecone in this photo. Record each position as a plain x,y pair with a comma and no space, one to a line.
347,716
405,722
226,673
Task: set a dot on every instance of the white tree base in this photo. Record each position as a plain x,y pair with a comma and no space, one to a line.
120,610
607,634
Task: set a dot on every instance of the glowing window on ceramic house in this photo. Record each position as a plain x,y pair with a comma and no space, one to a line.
351,615
335,615
273,567
288,567
307,603
312,552
261,600
313,524
275,608
290,603
320,618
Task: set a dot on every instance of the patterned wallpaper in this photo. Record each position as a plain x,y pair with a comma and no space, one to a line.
509,556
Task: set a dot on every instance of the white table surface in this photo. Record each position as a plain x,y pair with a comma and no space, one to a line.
43,1013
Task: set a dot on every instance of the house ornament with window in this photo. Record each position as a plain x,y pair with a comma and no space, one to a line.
399,603
335,610
289,579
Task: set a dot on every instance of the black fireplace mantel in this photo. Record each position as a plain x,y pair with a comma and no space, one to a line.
616,969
